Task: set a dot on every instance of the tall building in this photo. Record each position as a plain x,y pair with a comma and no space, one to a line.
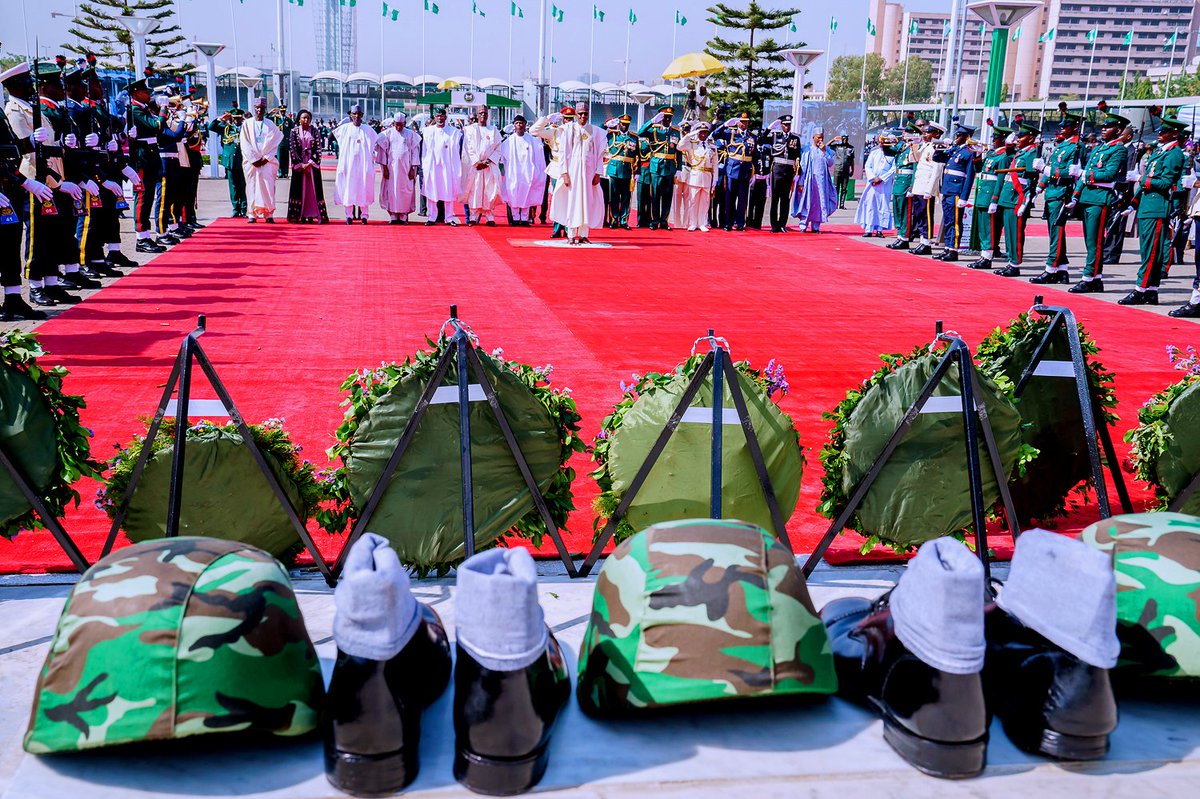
336,27
1050,52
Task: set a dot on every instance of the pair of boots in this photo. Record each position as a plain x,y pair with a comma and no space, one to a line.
937,660
510,677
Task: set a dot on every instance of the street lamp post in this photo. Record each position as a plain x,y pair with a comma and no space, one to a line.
210,50
1001,15
800,59
140,28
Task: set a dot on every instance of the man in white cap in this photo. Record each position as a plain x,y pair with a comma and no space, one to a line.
481,173
355,186
578,203
700,158
441,168
260,140
398,153
524,160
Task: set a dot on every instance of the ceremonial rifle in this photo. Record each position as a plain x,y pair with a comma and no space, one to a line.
41,167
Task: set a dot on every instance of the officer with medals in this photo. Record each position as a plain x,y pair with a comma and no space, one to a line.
737,149
663,140
144,124
927,180
112,135
1161,173
958,176
622,162
1057,186
1018,187
229,127
63,246
90,266
988,223
16,192
644,196
905,153
785,160
1096,194
167,196
760,184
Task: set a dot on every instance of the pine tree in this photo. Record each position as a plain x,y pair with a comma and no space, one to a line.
754,69
97,30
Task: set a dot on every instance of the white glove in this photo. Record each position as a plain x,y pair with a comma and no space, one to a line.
38,189
1075,171
1024,207
71,189
91,188
961,203
4,202
128,172
1039,164
611,123
91,140
1133,177
41,135
1129,211
1189,181
731,122
992,208
113,188
112,145
161,101
1071,205
555,119
71,141
131,131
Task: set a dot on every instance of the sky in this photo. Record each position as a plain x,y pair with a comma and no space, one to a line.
577,40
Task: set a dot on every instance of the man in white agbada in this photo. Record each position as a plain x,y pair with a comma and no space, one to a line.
398,152
355,185
441,168
578,203
481,173
700,158
874,212
524,160
547,129
260,139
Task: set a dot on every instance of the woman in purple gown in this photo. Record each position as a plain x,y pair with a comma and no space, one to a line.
306,198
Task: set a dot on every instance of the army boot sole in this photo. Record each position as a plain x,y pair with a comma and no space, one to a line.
371,775
496,777
949,761
1058,745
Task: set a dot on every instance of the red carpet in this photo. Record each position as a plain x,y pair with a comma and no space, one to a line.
292,310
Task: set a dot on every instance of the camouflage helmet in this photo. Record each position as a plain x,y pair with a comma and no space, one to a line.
1156,557
176,637
695,610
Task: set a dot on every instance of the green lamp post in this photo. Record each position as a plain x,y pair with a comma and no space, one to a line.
1001,15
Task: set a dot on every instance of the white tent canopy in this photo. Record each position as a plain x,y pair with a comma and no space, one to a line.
330,74
603,87
493,83
572,86
419,80
370,77
398,77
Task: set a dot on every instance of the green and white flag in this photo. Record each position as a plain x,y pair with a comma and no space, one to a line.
946,28
432,8
792,27
832,24
517,11
297,3
680,19
1128,38
393,13
597,14
476,10
351,3
913,30
1016,34
632,17
1170,43
1048,36
1091,36
870,27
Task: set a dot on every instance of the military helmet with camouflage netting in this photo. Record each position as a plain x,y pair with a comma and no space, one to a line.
1156,557
176,637
696,610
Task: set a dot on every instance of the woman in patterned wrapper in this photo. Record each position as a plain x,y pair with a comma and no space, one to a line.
306,197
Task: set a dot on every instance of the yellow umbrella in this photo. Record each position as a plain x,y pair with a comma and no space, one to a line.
449,84
692,65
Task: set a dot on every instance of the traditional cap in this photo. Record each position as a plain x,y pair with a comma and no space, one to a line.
354,109
785,119
16,71
1028,128
399,116
439,110
263,102
1114,119
937,607
1072,117
1171,123
580,106
625,118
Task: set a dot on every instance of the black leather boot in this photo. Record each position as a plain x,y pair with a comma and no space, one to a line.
503,721
372,719
1049,701
935,720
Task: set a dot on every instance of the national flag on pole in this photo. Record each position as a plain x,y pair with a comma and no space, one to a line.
432,8
680,19
913,30
832,24
351,3
476,10
1129,38
1092,34
597,14
1016,34
946,28
1170,43
297,3
1048,36
517,11
632,17
870,27
393,13
792,27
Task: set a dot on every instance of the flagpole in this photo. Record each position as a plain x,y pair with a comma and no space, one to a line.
510,24
541,63
237,78
382,69
829,56
1125,76
979,62
862,88
472,59
1171,67
591,55
628,35
278,77
1087,91
904,89
424,14
550,68
674,33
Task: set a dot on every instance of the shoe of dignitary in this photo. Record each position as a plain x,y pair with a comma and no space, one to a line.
935,661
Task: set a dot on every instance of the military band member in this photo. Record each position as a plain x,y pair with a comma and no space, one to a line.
785,162
229,127
927,180
144,125
1096,193
958,176
19,191
644,193
663,140
118,170
987,225
756,207
94,165
622,162
1018,187
1161,173
905,153
737,153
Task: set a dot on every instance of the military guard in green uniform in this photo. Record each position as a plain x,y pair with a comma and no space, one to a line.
1057,185
988,223
905,153
643,184
622,162
283,120
1096,191
663,139
229,127
1152,196
1018,187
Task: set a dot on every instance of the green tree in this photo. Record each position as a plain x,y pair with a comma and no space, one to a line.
754,69
96,30
920,82
846,79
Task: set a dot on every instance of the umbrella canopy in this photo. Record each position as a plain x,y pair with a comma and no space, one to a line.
490,100
449,83
692,65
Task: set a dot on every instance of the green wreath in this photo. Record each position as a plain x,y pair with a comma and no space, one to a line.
224,493
421,511
678,486
1165,449
40,431
1050,412
922,492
